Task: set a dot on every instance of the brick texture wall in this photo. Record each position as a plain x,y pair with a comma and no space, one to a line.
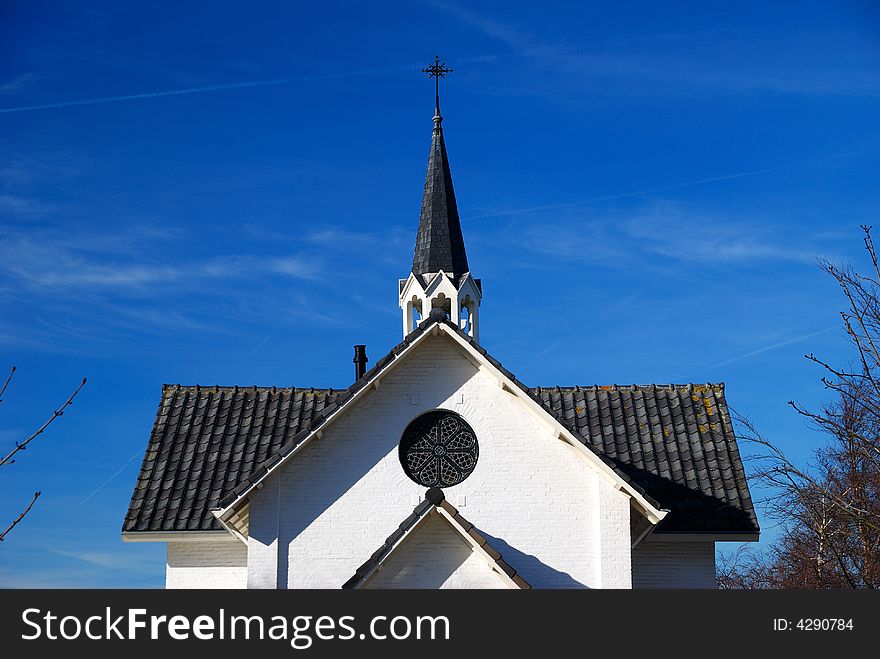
658,564
558,522
201,564
435,556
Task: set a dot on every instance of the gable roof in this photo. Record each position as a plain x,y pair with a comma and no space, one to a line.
435,500
234,508
210,445
205,441
676,441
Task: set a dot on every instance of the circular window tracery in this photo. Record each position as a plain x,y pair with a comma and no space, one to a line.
438,449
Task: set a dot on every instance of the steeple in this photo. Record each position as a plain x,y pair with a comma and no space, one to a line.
440,273
439,243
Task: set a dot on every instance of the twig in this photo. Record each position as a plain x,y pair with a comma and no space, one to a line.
6,384
20,517
22,446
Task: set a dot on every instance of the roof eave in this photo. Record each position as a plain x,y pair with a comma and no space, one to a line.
225,513
654,514
431,328
232,527
716,536
173,536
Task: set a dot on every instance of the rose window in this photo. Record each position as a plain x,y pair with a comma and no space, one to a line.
438,449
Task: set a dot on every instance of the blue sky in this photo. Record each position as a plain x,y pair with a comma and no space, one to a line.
227,193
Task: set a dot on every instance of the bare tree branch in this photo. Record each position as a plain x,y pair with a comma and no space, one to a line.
20,517
829,509
23,445
6,384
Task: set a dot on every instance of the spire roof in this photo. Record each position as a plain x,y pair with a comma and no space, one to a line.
439,243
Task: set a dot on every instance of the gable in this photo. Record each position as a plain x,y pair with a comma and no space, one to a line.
435,556
210,443
436,547
234,508
331,504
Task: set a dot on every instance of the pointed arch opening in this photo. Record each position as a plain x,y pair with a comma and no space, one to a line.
414,312
442,302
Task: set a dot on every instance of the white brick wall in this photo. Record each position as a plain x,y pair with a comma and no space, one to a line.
612,528
435,556
202,564
263,547
542,505
658,564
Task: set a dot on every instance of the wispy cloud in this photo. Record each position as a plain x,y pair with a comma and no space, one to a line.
676,232
13,338
567,339
105,560
50,564
491,27
583,239
90,575
621,240
340,236
49,263
294,267
674,187
657,66
20,205
97,291
18,83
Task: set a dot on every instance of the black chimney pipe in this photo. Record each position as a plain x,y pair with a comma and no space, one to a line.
360,361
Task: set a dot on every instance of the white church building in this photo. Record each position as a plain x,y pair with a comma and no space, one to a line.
438,468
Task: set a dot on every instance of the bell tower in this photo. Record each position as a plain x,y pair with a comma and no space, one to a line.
441,277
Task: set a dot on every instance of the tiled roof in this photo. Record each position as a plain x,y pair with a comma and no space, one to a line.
439,243
673,444
209,444
206,441
434,498
676,441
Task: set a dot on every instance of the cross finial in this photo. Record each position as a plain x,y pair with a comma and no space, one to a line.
437,70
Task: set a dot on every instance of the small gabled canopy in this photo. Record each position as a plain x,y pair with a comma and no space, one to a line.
436,503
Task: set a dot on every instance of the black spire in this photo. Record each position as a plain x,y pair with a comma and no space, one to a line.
439,243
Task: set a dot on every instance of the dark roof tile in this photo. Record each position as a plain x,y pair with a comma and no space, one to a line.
206,444
689,467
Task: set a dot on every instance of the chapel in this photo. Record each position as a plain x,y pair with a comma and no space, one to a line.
437,467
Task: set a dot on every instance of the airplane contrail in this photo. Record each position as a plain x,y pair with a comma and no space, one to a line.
106,482
773,346
669,188
131,97
199,90
767,348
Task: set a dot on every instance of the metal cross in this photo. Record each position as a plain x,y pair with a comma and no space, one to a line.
437,70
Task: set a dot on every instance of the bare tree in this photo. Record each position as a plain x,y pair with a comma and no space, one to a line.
742,569
9,459
830,509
